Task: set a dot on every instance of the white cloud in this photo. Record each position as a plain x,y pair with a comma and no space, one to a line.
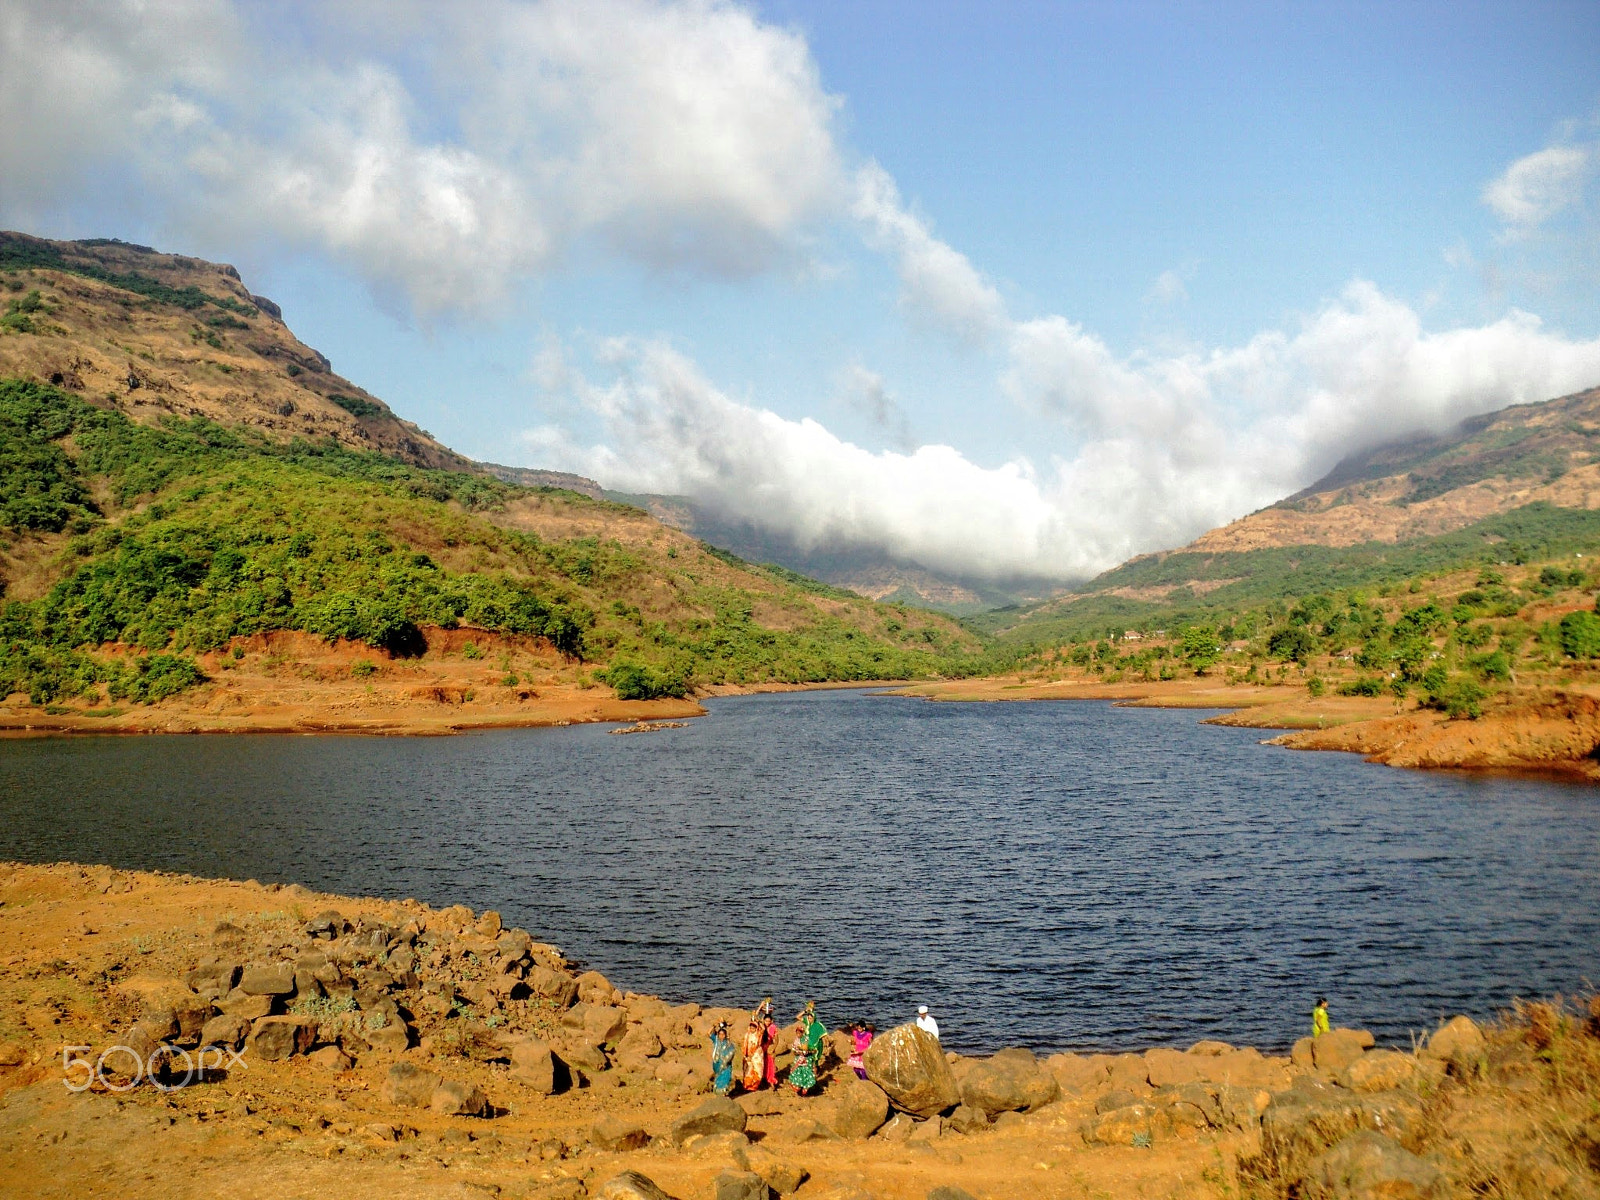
685,135
1169,288
1168,447
866,391
939,285
1538,186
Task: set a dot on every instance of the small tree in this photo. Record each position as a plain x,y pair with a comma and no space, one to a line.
1201,647
1580,635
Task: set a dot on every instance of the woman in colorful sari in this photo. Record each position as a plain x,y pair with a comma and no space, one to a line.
756,1043
769,1033
808,1035
860,1039
721,1060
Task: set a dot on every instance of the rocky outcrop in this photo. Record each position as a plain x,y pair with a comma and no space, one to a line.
1010,1081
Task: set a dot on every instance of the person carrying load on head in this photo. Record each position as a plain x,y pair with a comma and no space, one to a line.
721,1059
756,1040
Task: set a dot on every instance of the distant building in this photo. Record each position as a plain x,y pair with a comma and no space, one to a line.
1132,635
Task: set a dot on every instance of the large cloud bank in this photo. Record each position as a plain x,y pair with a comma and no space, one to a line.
446,152
1168,448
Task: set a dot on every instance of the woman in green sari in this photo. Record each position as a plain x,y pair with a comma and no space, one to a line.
807,1049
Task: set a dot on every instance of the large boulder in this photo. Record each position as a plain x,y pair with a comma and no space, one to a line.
1129,1124
637,1046
1011,1081
1338,1048
534,1064
1369,1166
224,1031
1168,1068
717,1115
275,1038
909,1065
857,1107
238,1003
740,1185
556,986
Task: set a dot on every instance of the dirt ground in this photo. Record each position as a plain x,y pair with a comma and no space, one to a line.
289,1129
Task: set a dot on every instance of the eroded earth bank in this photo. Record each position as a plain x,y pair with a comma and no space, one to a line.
386,1049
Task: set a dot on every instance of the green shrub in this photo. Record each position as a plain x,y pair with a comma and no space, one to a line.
1364,686
631,681
358,406
1458,696
1580,635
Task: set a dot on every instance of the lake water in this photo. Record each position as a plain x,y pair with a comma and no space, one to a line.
1049,874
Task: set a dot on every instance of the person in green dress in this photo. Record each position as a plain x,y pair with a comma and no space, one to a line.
807,1049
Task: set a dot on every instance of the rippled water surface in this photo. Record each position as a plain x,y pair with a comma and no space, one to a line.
1053,874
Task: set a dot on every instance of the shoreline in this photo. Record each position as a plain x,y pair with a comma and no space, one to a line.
504,1068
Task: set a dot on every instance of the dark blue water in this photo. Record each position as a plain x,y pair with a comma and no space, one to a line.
1053,874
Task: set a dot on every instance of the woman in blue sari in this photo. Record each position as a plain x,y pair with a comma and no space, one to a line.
721,1060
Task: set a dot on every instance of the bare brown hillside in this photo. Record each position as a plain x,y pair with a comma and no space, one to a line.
152,333
1421,488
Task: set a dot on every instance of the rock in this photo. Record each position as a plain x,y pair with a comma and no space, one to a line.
1301,1123
909,1065
489,924
553,985
213,978
409,1086
224,1031
618,1134
1129,1073
1011,1081
276,980
969,1120
11,1055
602,1024
1115,1098
456,1099
559,1189
760,1104
391,1038
897,1129
326,925
1210,1049
782,1176
275,1038
636,1046
948,1192
1128,1125
534,1064
590,1060
857,1107
241,1004
1300,1055
595,988
1379,1071
927,1131
740,1185
716,1115
330,1058
1458,1037
1075,1074
1166,1068
1338,1048
630,1185
1368,1166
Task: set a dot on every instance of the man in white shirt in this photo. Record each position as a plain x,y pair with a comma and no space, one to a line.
926,1023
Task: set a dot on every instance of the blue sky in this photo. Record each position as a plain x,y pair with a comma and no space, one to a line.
1000,289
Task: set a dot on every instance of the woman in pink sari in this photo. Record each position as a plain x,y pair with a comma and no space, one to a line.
860,1038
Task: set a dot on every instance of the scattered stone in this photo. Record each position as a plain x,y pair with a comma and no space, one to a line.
910,1066
969,1120
590,1060
782,1176
553,985
595,988
857,1107
381,1131
1368,1166
1300,1055
927,1131
1075,1074
393,1037
1301,1123
630,1185
225,1030
740,1185
214,978
1166,1068
330,1058
636,1046
760,1104
456,1099
1210,1049
534,1064
277,980
616,1134
241,1004
409,1086
489,924
1129,1125
11,1055
897,1129
716,1115
276,1038
947,1192
559,1189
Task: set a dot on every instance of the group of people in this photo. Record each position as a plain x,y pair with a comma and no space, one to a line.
760,1047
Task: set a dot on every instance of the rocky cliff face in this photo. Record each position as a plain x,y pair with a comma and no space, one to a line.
154,334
